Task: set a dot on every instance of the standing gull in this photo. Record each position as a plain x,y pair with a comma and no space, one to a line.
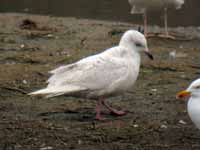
109,73
193,105
143,6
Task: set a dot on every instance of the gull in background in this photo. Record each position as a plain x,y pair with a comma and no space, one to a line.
193,105
143,6
106,74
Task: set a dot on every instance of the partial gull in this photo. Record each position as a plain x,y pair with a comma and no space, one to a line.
106,74
193,105
143,6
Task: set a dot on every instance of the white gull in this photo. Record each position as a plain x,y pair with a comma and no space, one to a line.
109,73
143,6
193,105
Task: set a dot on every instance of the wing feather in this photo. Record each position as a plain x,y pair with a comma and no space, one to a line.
93,73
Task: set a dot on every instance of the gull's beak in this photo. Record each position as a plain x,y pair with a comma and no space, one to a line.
146,51
183,94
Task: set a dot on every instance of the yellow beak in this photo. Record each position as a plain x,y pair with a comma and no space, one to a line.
183,94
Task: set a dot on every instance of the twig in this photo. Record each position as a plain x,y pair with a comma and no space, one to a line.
14,89
59,139
192,137
160,145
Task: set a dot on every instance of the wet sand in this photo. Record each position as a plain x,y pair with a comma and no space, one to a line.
156,120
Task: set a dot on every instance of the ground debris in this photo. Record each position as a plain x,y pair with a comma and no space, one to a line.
46,148
163,126
15,89
182,122
161,145
114,32
33,29
28,24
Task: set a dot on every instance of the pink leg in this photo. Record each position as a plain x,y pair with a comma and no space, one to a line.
165,21
166,35
114,111
146,33
98,110
145,24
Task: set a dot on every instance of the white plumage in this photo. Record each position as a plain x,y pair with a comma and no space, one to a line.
193,105
109,73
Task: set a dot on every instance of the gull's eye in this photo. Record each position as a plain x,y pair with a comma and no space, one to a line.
138,44
197,87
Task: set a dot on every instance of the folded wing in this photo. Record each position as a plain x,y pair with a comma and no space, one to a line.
93,73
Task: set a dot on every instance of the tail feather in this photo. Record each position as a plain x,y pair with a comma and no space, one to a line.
54,95
56,91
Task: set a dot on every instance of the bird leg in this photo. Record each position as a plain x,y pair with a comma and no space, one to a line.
146,33
165,21
98,110
112,110
166,34
145,23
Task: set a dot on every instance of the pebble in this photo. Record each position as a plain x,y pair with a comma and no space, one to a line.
24,82
182,122
163,126
46,148
22,46
135,125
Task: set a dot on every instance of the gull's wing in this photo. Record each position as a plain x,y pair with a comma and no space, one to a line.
92,73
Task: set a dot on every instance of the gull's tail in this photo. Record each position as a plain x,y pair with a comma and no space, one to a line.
56,91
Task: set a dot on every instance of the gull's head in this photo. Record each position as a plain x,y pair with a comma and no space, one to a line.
135,41
193,90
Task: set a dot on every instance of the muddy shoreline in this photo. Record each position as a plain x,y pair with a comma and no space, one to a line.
156,121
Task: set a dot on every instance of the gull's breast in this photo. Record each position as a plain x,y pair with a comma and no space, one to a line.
194,110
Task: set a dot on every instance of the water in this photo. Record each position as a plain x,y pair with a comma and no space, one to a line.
117,10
